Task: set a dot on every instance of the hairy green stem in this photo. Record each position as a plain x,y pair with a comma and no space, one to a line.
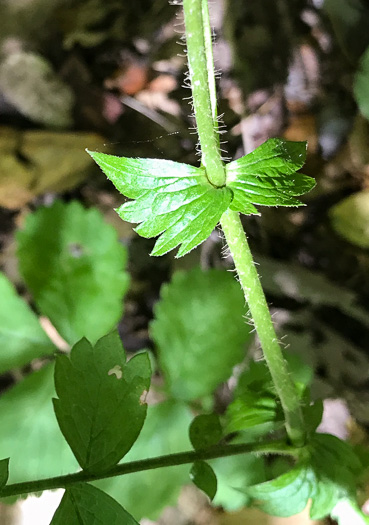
198,65
254,295
200,59
170,460
210,63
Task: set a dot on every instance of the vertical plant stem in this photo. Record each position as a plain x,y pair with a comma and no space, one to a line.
250,282
210,62
200,59
198,65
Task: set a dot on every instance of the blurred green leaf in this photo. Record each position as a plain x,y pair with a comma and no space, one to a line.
84,504
200,331
101,407
361,84
171,199
203,476
205,431
235,472
267,176
350,19
255,403
252,409
284,496
145,494
313,414
4,472
29,432
21,336
328,474
28,82
36,161
350,217
73,264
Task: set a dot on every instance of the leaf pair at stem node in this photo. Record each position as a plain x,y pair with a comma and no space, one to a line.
177,202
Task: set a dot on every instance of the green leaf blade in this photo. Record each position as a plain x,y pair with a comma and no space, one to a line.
21,337
189,331
328,475
337,470
100,406
252,409
165,432
4,472
203,476
205,431
267,176
85,504
361,83
173,200
29,432
71,259
286,495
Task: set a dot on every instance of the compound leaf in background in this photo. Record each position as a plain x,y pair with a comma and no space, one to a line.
21,336
29,432
101,400
73,264
199,331
84,504
205,431
171,199
145,494
203,476
4,472
267,176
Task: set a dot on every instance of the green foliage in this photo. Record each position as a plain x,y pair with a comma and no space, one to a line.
255,407
101,406
350,22
145,494
196,352
205,431
172,199
30,84
74,265
327,474
267,176
350,217
203,476
361,83
177,202
234,472
29,432
21,336
4,472
86,505
284,496
251,409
